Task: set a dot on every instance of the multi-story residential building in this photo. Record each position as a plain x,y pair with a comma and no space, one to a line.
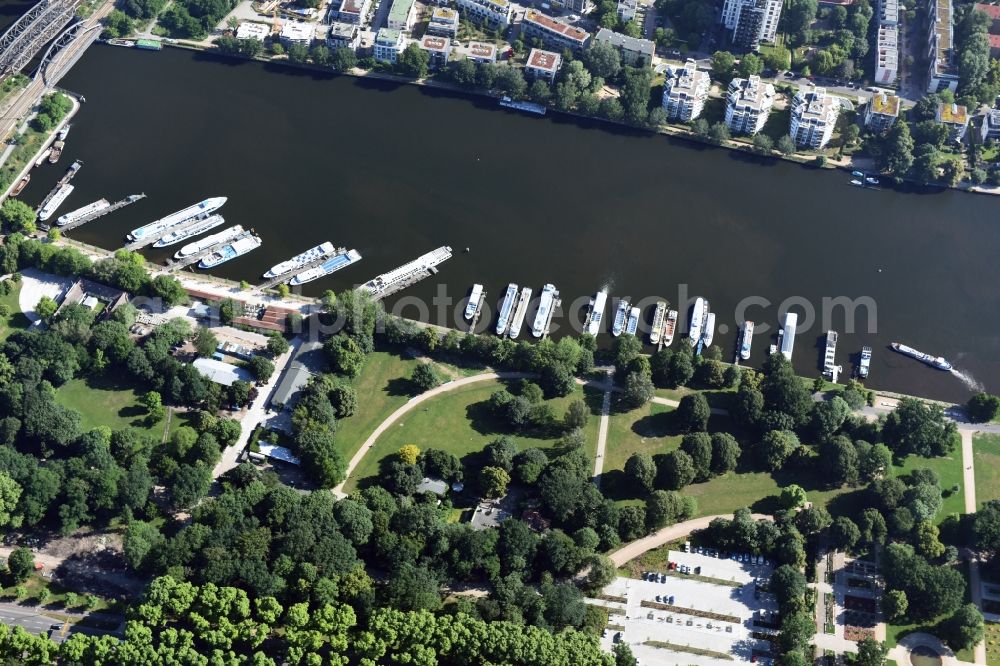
495,13
554,34
888,12
685,91
542,65
748,104
634,52
627,10
955,117
751,21
887,55
350,11
343,36
249,30
990,129
293,32
943,72
443,23
814,115
881,111
438,48
481,52
389,44
402,15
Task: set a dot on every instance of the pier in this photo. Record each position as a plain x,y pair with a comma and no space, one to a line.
68,176
149,240
178,264
131,199
285,277
408,280
556,302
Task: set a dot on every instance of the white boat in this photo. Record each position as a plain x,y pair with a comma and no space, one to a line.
857,183
506,307
56,201
44,156
859,174
190,231
519,312
206,207
871,180
621,316
331,265
544,313
934,361
866,362
709,333
208,241
300,260
694,329
659,314
669,326
788,334
63,133
408,273
633,321
475,298
75,215
597,312
746,340
237,248
830,352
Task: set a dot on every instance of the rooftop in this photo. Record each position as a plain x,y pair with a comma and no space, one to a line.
993,11
345,30
436,486
952,114
750,92
400,10
553,25
250,30
444,14
352,6
482,49
297,31
943,36
994,41
885,103
814,103
220,372
687,79
544,60
278,453
432,43
621,41
388,36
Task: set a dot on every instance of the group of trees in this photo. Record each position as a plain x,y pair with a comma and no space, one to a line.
194,19
51,110
983,407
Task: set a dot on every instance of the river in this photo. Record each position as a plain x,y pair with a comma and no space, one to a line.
395,171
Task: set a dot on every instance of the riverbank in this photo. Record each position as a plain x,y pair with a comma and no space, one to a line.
846,163
21,156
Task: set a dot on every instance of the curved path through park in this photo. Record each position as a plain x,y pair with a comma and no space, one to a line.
670,533
413,402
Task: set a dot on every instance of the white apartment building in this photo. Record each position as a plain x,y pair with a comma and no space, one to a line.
542,65
888,12
343,36
887,55
481,52
881,112
627,10
296,33
685,91
814,115
496,13
943,72
402,15
249,30
751,21
438,48
388,45
443,23
748,104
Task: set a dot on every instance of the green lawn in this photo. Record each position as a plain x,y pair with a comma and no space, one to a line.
992,644
648,429
107,401
986,453
459,422
382,387
15,320
949,468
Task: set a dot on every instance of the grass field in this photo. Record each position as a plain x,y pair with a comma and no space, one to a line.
107,401
382,387
992,644
15,320
986,450
458,422
949,468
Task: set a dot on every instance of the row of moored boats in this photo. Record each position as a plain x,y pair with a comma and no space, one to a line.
514,308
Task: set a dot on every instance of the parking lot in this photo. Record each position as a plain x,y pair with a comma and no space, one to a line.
674,618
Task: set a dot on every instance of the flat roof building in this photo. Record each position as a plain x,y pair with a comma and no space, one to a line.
343,36
626,10
495,13
881,111
751,22
955,117
388,45
438,48
351,11
220,372
293,32
402,15
990,129
444,22
481,52
543,65
634,51
685,91
554,34
887,55
888,12
748,104
276,452
814,115
943,72
251,30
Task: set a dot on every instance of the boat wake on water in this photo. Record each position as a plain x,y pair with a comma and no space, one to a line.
971,382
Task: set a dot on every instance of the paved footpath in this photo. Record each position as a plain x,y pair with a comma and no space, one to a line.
633,550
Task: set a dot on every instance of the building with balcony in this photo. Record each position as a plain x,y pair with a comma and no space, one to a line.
443,23
438,48
402,15
881,112
554,35
481,52
343,36
748,105
942,72
351,11
389,44
542,65
955,117
751,22
814,115
887,55
627,10
685,91
494,13
634,52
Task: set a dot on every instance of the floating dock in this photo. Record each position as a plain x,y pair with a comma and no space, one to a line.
177,264
68,176
407,275
288,275
829,363
479,312
131,199
520,310
152,238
